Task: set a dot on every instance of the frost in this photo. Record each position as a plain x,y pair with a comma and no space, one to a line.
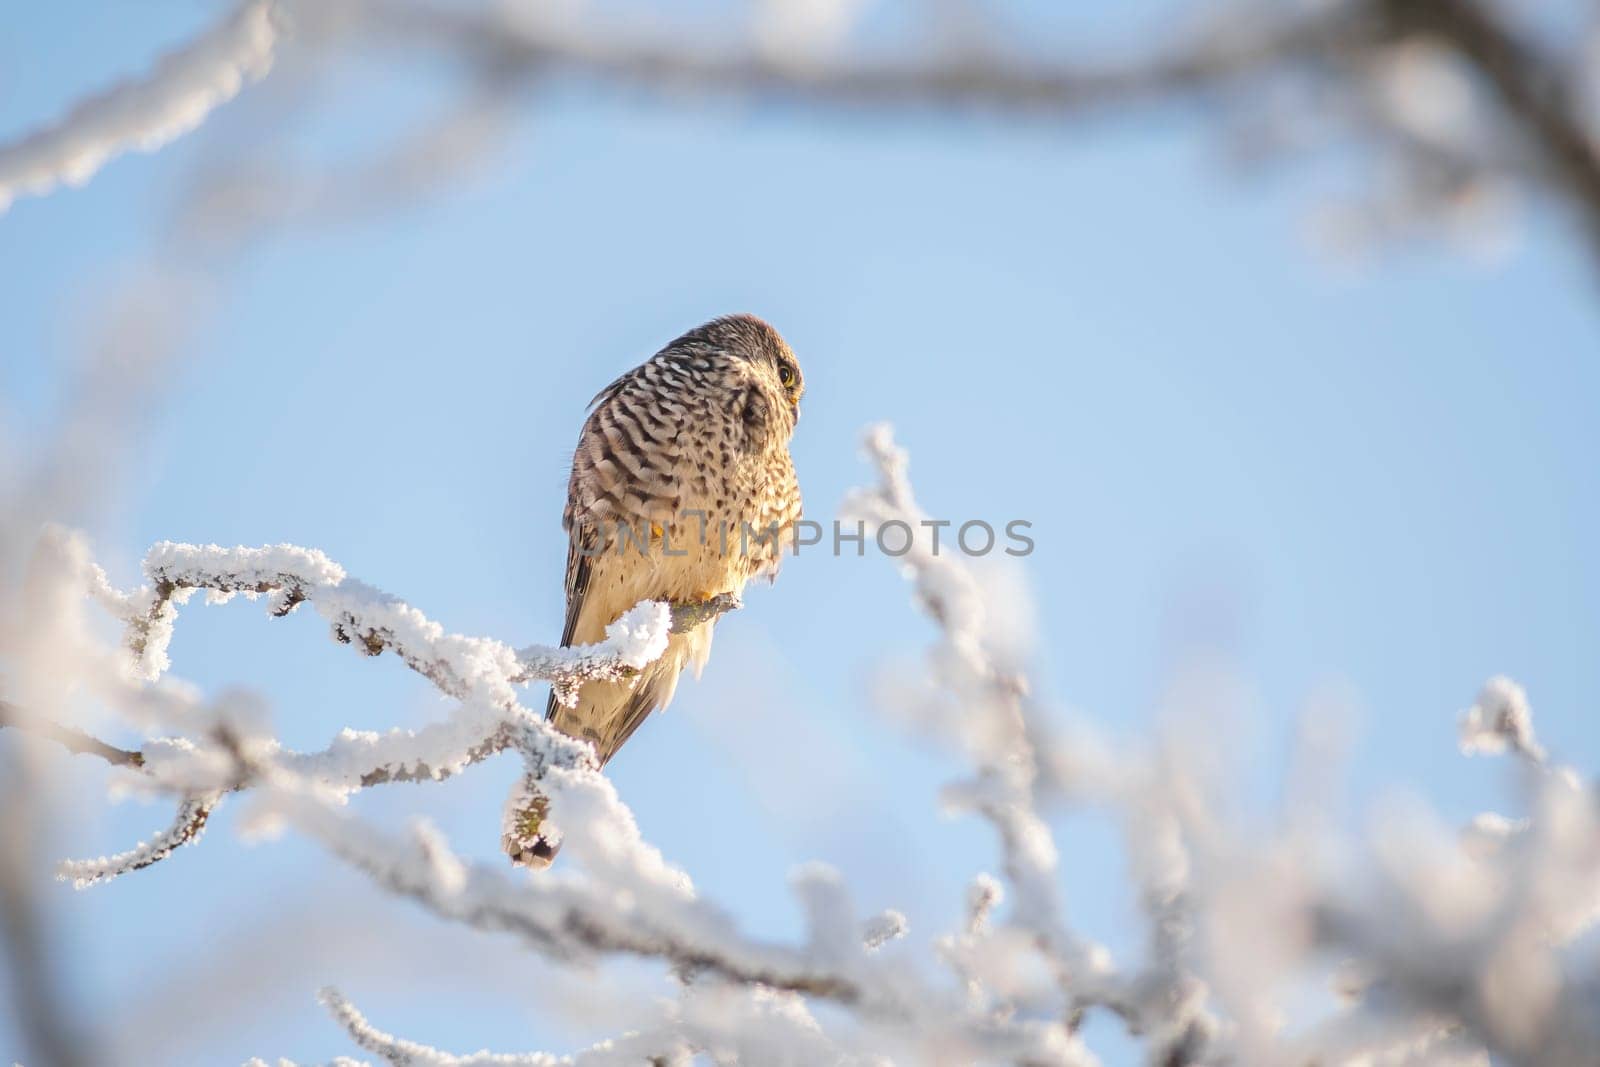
883,928
144,114
1500,721
186,829
1452,945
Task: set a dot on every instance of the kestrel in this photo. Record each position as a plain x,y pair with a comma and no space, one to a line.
682,489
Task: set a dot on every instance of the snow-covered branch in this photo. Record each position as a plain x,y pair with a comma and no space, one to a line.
145,113
1458,938
231,754
1451,946
722,1023
464,668
990,730
631,1049
571,919
186,828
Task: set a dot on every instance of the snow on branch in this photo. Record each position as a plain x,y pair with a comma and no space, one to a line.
568,919
464,668
629,909
186,829
1454,937
641,908
721,1023
991,731
1461,937
1440,944
1500,721
396,1050
229,751
145,113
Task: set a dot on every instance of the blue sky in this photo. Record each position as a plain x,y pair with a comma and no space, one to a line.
1373,479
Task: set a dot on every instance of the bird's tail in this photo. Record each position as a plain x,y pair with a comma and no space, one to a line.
606,715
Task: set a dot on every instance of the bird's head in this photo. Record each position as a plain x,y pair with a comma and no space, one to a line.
764,356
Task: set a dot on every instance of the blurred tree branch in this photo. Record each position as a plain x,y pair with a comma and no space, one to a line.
1538,101
1535,133
75,741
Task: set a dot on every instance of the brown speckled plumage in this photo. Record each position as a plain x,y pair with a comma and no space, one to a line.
702,426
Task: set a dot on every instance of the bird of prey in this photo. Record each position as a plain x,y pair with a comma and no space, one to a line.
681,476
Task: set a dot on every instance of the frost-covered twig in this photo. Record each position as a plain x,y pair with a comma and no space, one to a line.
1499,721
565,919
481,673
461,667
974,700
710,1021
185,829
632,1049
991,731
145,113
629,909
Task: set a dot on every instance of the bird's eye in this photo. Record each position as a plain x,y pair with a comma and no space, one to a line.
786,375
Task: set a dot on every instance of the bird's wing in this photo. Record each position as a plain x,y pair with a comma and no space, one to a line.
604,486
579,568
620,476
654,689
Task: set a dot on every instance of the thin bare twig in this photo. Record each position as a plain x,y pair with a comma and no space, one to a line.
75,741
